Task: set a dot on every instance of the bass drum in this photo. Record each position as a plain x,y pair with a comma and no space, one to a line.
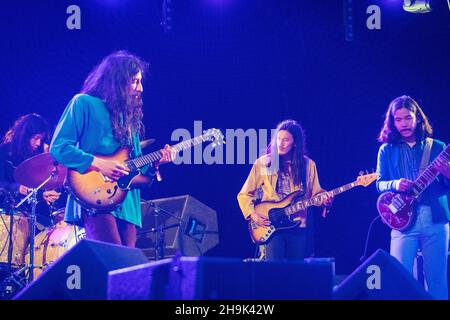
53,242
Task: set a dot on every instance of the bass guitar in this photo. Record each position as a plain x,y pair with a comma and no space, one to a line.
290,212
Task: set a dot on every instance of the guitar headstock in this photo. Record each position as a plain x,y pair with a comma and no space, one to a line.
366,179
214,135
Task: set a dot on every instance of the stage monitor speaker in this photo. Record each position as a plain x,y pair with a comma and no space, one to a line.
185,224
206,278
82,272
380,277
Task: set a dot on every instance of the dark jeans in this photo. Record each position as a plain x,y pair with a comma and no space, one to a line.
105,227
290,244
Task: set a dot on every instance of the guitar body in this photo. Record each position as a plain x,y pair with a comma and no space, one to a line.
92,192
396,210
273,210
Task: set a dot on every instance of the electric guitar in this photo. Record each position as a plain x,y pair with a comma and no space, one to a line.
396,209
91,190
290,212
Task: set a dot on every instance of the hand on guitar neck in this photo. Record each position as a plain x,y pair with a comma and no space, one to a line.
168,154
328,201
444,168
112,170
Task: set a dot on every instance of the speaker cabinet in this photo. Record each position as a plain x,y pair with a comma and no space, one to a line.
223,278
82,272
380,277
182,224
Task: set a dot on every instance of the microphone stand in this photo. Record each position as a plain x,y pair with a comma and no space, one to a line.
159,230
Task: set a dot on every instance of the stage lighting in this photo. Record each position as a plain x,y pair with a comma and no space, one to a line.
417,6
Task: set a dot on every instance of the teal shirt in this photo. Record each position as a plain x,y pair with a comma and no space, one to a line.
84,130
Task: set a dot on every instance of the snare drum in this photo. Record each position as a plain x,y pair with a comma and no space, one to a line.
53,242
20,237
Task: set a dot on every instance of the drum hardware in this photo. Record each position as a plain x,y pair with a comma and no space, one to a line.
32,199
36,173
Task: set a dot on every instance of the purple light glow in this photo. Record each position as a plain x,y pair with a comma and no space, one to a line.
219,3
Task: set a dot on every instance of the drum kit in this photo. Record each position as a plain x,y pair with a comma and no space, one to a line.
24,251
26,247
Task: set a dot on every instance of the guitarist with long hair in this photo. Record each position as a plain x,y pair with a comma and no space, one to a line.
283,170
105,116
401,159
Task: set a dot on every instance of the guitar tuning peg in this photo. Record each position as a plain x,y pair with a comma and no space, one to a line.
361,173
367,172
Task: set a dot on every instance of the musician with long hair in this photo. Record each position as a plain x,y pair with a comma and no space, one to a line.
284,169
28,136
105,116
404,136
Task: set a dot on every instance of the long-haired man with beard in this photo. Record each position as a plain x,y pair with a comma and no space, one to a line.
406,140
105,116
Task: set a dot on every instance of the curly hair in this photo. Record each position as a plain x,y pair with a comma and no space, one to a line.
298,151
19,135
390,134
110,81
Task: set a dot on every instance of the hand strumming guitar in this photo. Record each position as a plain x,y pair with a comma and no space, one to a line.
111,170
403,185
259,219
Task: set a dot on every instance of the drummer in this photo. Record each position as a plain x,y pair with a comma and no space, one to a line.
28,137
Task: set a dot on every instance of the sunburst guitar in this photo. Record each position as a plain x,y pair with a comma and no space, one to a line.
94,193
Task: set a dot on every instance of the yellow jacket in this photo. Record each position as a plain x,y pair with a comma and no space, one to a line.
261,176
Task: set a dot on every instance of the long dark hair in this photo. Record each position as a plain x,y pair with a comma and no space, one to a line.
110,81
297,153
389,134
19,135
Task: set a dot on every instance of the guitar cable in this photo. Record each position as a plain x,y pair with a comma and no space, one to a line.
363,257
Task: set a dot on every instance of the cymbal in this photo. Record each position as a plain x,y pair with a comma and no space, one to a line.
34,171
146,143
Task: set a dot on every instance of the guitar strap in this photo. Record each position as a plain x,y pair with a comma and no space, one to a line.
425,155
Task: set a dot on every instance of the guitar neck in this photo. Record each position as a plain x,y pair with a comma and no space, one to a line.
317,200
430,173
153,157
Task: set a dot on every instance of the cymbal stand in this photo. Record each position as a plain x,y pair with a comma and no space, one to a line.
32,199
